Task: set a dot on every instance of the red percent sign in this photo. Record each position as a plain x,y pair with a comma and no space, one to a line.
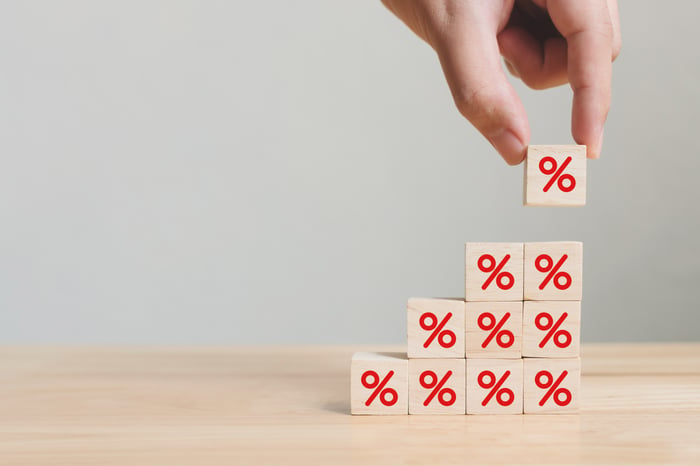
387,396
554,275
561,338
445,396
504,338
554,391
504,396
504,280
565,182
445,338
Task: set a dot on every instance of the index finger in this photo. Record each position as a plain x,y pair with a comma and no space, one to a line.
588,31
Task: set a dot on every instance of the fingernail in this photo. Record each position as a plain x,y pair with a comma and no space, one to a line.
509,146
594,150
600,143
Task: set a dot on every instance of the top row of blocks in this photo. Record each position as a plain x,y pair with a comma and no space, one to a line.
524,271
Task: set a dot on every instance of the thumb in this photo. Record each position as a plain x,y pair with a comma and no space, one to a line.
470,60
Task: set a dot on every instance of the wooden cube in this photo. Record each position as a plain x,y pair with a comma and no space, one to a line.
494,329
555,176
553,271
435,328
552,385
494,386
436,386
552,329
494,272
379,383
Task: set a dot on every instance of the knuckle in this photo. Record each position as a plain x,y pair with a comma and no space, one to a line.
478,105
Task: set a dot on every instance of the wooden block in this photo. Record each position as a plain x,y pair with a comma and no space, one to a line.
555,176
494,329
435,328
494,386
494,272
436,386
552,329
553,271
552,385
379,383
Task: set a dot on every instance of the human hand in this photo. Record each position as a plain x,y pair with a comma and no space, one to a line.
545,43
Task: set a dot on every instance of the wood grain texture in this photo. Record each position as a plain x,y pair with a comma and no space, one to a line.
565,330
559,385
379,383
535,181
572,266
448,342
476,279
495,397
640,404
450,399
509,334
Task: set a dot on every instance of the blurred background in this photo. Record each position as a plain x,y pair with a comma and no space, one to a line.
291,172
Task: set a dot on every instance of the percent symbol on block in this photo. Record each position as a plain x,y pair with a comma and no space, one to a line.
504,279
445,338
387,396
565,182
445,396
553,385
504,396
561,338
504,338
552,270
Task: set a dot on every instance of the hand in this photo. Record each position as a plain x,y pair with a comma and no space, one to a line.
545,43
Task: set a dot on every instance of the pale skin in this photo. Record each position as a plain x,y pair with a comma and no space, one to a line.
545,43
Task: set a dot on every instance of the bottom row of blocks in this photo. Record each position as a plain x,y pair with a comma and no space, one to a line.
389,383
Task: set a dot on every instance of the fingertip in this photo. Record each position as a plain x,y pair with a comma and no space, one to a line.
593,145
589,112
594,150
511,147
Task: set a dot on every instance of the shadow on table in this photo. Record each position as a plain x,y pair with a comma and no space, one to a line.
338,407
342,404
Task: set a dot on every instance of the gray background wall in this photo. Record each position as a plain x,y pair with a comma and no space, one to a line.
291,172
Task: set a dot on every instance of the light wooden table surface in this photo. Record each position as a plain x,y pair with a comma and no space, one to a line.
239,406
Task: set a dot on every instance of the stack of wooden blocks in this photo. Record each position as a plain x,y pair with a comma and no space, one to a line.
510,347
